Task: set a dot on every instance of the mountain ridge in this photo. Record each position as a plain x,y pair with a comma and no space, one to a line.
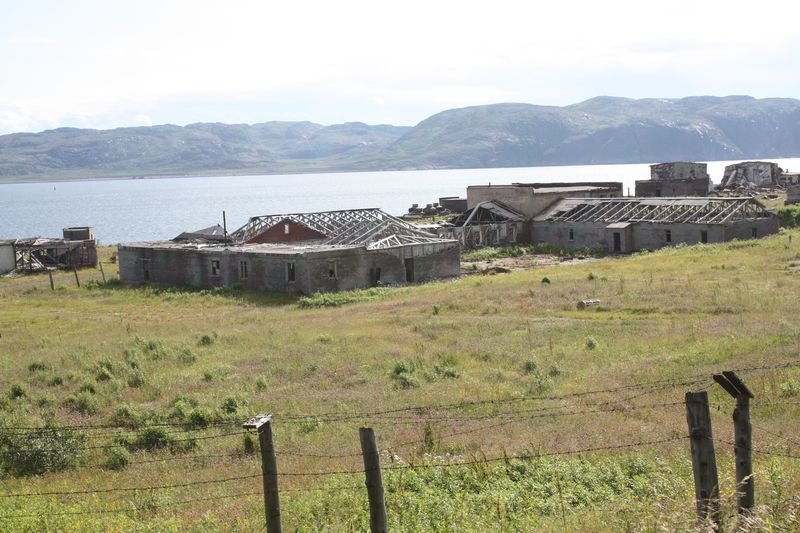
600,130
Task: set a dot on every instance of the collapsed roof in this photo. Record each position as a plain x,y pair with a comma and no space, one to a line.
371,228
489,212
655,210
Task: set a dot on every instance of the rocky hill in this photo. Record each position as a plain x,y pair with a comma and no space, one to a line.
599,130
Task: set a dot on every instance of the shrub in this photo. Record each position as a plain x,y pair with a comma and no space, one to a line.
152,438
231,404
545,281
186,356
55,381
591,276
529,366
200,417
128,416
248,444
17,390
335,299
309,424
207,340
49,449
261,383
789,388
591,343
136,379
37,366
436,309
118,458
82,402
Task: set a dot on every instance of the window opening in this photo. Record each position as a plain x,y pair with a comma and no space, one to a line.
571,234
243,269
215,267
290,272
332,270
704,236
668,235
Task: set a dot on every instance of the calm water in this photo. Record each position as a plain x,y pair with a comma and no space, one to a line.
150,209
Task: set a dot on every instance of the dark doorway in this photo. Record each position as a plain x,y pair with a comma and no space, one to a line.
704,236
617,242
410,270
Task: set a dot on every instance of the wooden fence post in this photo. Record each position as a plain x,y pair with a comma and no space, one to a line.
743,439
269,470
77,281
373,480
102,272
50,275
704,462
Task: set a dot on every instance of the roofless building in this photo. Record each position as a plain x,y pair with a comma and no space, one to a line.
300,252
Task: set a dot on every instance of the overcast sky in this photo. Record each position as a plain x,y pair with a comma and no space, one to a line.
108,63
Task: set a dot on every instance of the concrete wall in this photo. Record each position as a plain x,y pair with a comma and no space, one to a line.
649,236
531,201
325,270
8,259
679,170
667,188
751,173
518,198
792,194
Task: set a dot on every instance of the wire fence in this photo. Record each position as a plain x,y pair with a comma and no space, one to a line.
478,415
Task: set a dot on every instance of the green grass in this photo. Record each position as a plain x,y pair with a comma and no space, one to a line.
135,357
518,250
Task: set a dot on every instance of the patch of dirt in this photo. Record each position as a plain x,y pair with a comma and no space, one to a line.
521,263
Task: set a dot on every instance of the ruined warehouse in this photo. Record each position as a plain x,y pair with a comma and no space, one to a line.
629,224
302,252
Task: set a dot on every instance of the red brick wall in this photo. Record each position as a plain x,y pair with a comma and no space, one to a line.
277,233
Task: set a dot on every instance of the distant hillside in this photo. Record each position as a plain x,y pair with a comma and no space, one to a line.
600,130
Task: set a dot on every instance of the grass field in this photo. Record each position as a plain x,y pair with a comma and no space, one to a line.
499,404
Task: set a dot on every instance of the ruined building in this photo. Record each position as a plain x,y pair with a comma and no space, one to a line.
301,252
77,249
501,214
675,179
628,224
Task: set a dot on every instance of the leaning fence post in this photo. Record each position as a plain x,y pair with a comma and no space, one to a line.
743,439
102,272
704,462
269,470
77,281
373,480
50,275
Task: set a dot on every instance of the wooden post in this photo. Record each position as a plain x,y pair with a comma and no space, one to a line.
269,470
77,281
102,272
743,439
50,275
745,484
704,462
373,480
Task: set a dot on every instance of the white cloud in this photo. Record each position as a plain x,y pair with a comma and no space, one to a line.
118,61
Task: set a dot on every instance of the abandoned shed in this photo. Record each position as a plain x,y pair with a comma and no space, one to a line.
77,249
301,252
629,224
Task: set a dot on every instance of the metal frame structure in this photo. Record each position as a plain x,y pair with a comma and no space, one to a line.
656,210
490,212
371,228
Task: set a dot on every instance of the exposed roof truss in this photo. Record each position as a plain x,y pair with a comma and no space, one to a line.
657,210
371,228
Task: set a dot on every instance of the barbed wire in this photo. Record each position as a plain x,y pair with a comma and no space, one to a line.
126,489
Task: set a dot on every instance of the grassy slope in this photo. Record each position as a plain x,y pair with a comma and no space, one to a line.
672,315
